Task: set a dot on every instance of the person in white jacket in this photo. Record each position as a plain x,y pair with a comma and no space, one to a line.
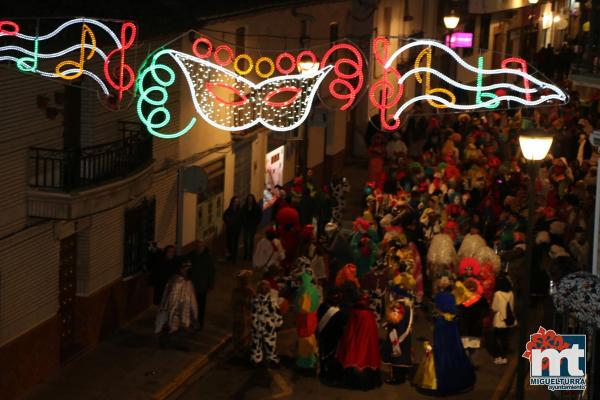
503,306
269,251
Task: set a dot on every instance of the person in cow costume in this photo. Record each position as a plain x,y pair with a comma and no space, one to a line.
339,188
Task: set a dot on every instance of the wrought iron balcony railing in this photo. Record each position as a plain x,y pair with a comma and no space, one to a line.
70,169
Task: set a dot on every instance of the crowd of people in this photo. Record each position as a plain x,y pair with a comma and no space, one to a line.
442,230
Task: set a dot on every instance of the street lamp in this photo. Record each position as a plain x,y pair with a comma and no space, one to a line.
451,21
534,148
533,1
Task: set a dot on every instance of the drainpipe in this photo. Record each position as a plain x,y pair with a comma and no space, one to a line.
179,227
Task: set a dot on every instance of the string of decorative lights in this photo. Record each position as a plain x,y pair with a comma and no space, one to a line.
227,100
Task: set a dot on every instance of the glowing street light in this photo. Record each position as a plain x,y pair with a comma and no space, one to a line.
535,148
451,21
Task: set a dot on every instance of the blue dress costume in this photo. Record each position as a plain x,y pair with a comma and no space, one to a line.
454,371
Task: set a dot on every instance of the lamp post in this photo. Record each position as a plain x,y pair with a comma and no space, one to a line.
534,148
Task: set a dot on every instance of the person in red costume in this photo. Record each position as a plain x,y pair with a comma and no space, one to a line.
288,228
358,350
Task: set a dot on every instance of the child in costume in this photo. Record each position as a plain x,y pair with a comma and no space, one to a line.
396,350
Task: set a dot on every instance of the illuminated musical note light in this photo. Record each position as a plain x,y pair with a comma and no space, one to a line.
22,62
523,68
85,32
555,93
128,34
480,94
27,60
428,90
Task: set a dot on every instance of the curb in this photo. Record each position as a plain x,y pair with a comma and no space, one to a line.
190,370
503,387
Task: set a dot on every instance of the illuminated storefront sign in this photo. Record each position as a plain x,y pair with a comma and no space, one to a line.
459,40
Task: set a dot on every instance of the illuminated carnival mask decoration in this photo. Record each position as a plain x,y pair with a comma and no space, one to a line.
228,101
107,66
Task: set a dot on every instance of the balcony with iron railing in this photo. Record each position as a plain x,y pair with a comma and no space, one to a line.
71,169
67,183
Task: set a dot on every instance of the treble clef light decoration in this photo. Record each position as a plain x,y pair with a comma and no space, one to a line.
390,94
128,33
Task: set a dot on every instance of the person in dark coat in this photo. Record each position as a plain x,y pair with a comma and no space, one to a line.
202,276
161,272
332,320
251,216
232,217
471,313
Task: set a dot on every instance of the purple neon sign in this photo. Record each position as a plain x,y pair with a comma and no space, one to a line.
459,39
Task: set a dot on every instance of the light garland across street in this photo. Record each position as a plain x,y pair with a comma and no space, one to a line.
283,87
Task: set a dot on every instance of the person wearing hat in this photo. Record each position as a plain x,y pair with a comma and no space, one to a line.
178,309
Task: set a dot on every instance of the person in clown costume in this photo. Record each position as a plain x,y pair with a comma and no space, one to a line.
363,245
472,306
288,228
396,350
306,303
